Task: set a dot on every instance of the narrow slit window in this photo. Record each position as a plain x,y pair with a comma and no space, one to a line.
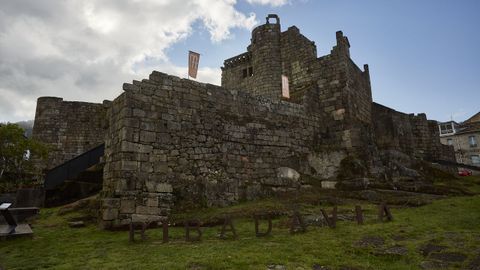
250,71
245,74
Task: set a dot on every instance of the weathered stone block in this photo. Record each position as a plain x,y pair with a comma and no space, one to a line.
145,210
338,114
138,112
127,206
109,214
145,218
288,174
329,184
161,167
135,147
164,187
147,136
129,165
152,202
110,203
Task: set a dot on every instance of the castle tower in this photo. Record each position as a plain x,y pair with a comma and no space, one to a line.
266,59
259,70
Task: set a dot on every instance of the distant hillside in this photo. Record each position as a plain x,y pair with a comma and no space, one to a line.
27,126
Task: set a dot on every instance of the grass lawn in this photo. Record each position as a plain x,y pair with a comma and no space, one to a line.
452,225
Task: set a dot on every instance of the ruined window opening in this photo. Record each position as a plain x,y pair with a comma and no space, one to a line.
449,141
247,72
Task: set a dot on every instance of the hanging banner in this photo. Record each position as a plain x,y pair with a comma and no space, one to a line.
193,59
285,89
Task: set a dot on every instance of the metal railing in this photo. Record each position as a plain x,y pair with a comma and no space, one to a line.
71,168
455,164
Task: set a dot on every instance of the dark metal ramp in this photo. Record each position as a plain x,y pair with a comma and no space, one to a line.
72,168
455,164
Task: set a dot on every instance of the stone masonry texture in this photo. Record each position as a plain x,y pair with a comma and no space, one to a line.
170,140
68,128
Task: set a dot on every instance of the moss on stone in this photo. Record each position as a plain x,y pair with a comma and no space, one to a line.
352,167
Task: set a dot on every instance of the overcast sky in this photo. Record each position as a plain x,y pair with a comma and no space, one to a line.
423,55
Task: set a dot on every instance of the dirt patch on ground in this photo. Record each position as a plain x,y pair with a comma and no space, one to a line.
429,248
475,264
433,265
396,250
449,256
371,241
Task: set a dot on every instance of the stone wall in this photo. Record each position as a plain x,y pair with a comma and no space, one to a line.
68,128
235,72
175,139
411,134
343,96
393,130
298,54
331,87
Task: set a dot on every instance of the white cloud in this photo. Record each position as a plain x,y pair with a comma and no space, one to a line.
273,3
86,49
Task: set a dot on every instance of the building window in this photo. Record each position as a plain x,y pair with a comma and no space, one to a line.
247,72
447,128
449,141
472,141
475,159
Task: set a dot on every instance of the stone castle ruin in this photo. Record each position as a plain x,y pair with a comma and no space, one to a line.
169,139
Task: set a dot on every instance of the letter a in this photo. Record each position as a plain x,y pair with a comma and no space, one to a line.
227,222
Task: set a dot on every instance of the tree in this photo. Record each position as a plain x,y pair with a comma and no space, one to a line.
16,151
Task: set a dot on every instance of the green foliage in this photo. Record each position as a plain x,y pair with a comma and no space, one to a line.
16,152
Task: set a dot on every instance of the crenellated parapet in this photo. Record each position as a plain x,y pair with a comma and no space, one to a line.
237,60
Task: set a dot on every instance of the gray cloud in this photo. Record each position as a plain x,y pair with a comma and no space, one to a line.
85,50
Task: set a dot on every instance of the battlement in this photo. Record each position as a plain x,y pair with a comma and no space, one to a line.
237,60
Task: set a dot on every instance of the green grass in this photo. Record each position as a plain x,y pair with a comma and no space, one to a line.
452,222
